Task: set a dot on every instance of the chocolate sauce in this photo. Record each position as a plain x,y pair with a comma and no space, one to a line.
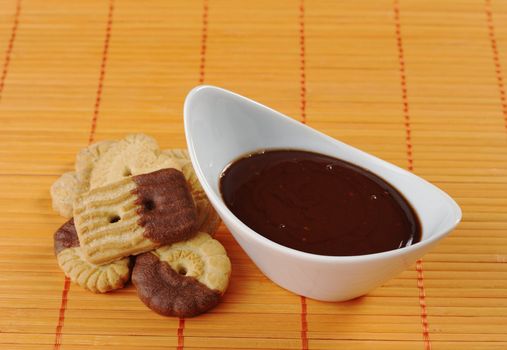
318,204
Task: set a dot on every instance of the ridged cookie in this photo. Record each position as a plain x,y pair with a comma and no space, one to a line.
207,218
106,162
95,278
184,279
134,215
134,155
67,187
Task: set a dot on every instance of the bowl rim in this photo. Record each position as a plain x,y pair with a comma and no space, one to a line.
219,204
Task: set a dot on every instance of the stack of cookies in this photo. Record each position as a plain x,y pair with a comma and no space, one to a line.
135,210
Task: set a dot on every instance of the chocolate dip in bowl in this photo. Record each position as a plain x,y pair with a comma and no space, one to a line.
222,127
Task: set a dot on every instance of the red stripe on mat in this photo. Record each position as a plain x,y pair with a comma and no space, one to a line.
61,314
102,75
10,46
202,71
66,285
181,337
302,106
496,59
302,61
304,325
204,39
408,142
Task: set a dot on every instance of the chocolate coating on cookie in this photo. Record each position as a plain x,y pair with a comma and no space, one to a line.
166,208
167,292
65,237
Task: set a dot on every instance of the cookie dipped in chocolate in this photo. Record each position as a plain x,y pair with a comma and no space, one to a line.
183,279
65,237
95,278
167,292
318,204
165,206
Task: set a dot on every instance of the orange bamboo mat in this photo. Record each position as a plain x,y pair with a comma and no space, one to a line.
418,83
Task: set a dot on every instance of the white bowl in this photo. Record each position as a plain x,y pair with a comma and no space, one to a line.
221,126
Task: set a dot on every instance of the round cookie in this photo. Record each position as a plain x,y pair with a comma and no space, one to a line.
95,278
63,193
179,154
68,186
134,155
207,218
88,157
184,279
